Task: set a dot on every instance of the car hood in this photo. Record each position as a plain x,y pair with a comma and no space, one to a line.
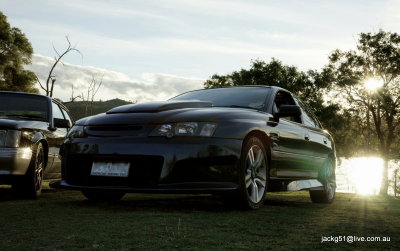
167,112
159,106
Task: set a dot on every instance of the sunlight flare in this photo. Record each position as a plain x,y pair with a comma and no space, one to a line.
365,174
373,84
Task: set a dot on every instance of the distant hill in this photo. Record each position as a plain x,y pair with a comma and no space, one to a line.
81,109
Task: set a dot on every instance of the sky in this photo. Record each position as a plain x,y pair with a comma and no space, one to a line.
154,50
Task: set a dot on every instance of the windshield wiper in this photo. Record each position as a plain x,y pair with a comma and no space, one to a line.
242,106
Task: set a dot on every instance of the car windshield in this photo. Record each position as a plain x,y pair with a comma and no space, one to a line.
24,107
246,97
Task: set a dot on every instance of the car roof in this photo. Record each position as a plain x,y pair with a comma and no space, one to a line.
275,88
240,86
25,93
244,86
266,86
56,100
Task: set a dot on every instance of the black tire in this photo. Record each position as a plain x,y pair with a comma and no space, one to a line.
30,186
253,179
328,178
102,195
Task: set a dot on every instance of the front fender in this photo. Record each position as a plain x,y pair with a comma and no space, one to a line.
240,128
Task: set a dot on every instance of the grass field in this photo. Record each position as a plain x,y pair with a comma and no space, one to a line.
64,220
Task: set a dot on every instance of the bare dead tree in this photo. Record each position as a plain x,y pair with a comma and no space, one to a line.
73,97
49,87
93,88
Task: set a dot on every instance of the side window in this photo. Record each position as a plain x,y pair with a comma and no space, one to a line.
308,121
308,116
57,113
285,98
317,122
66,115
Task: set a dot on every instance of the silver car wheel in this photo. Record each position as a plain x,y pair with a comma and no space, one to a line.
330,185
256,174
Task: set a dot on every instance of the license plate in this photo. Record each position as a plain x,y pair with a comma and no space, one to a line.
110,169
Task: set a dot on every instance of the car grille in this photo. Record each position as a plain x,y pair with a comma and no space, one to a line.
144,170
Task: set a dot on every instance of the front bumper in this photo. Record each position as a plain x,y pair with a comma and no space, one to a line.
187,165
14,161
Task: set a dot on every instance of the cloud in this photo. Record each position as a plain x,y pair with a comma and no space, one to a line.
391,16
244,10
114,10
198,37
193,38
101,44
149,86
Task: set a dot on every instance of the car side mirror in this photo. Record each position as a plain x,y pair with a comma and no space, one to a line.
287,111
62,123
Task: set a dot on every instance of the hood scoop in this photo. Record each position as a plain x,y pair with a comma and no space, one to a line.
159,106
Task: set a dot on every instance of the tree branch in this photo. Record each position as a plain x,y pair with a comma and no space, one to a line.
50,87
40,83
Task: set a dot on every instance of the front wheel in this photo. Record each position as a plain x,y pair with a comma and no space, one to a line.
253,168
31,184
328,177
101,195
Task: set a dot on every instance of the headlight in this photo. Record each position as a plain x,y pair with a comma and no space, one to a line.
10,138
76,132
185,129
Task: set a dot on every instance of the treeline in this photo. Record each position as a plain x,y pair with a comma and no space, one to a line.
81,109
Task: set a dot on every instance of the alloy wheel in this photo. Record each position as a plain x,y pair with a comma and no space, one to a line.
330,185
38,175
255,174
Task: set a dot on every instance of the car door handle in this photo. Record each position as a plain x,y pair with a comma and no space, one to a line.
307,137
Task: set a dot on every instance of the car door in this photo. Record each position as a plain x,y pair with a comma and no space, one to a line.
57,135
290,150
320,142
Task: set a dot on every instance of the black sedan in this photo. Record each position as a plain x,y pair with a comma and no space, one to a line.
32,128
235,142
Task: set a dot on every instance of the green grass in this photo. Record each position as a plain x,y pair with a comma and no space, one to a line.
64,220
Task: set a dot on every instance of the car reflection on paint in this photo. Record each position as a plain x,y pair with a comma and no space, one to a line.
235,142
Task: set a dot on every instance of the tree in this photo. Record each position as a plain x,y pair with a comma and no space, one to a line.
49,87
305,85
93,88
73,97
395,181
310,87
15,52
376,111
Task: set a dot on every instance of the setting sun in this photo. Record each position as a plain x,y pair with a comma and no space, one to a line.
365,174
